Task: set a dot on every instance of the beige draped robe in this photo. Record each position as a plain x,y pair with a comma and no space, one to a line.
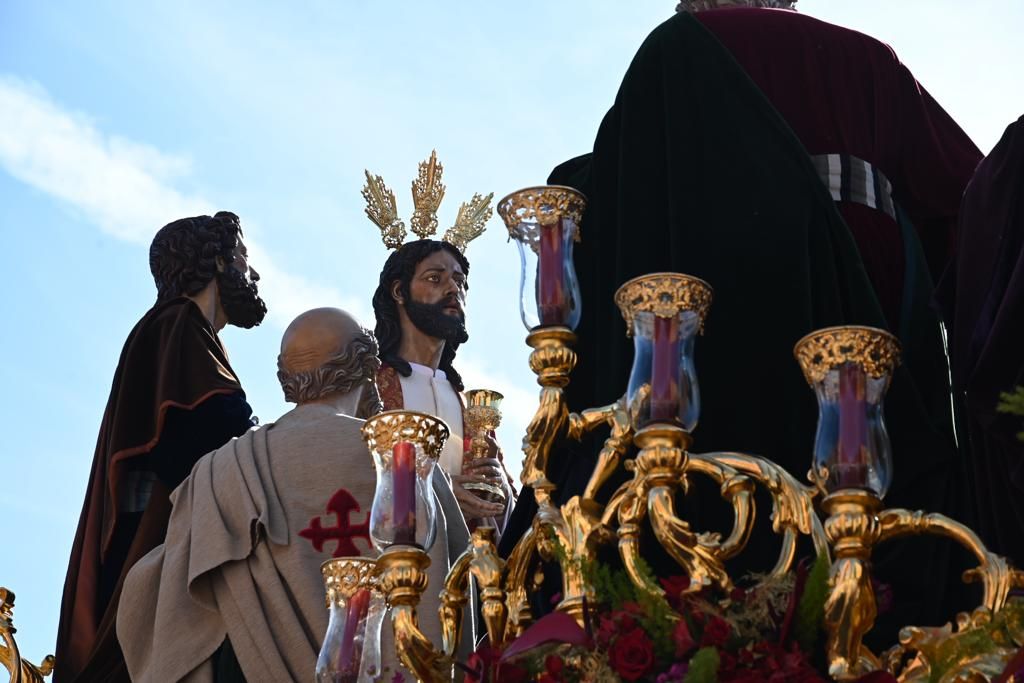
234,563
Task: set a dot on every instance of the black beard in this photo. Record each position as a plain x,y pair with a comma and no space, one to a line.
431,320
240,299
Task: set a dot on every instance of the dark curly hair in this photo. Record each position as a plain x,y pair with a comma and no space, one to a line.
401,266
183,255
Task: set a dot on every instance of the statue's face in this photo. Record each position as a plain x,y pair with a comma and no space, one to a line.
440,282
437,298
239,294
241,262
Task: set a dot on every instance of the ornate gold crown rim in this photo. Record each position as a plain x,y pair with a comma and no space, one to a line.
874,349
530,199
383,430
362,572
665,295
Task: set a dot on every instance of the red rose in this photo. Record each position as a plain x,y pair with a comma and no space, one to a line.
675,585
553,665
716,632
547,678
684,642
631,655
626,621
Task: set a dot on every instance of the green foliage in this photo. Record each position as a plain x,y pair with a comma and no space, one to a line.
949,652
810,611
1013,404
615,589
612,588
658,616
703,666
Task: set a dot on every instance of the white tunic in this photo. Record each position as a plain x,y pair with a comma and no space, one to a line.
428,391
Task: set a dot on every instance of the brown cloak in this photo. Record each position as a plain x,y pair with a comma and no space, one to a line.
172,358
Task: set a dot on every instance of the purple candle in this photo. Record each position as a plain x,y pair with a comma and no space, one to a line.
852,426
665,370
403,469
551,304
351,654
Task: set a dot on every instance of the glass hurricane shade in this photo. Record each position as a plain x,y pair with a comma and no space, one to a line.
663,313
405,446
544,222
849,369
351,649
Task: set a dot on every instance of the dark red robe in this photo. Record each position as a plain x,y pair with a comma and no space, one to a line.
843,92
982,296
173,395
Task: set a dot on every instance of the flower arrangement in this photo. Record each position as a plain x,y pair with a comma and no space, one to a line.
767,632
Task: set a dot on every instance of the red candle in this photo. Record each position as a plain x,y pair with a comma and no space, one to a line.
665,370
403,470
351,654
852,426
551,291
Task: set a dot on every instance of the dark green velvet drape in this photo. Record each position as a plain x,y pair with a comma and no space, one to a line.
693,171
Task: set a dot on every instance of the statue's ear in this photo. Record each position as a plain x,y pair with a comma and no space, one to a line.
396,291
219,260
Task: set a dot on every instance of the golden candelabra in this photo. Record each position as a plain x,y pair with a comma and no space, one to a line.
665,310
20,670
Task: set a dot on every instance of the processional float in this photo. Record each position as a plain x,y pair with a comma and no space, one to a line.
849,369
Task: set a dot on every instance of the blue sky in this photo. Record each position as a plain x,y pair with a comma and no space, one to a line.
118,117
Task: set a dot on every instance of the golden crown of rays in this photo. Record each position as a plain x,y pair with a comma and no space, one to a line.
427,193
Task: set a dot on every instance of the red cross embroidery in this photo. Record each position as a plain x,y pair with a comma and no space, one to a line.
342,503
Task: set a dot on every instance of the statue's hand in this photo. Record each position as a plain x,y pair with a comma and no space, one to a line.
488,468
472,506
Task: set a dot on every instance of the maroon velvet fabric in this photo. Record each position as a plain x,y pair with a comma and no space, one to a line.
982,296
843,92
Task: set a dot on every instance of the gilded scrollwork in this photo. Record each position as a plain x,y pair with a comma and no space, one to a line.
853,528
403,578
793,504
985,643
615,446
552,361
993,571
665,295
875,350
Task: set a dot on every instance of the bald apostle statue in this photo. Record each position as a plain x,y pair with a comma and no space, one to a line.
235,593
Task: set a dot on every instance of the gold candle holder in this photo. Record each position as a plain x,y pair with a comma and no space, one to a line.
351,648
849,368
483,416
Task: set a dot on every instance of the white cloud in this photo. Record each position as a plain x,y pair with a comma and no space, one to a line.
124,188
115,183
